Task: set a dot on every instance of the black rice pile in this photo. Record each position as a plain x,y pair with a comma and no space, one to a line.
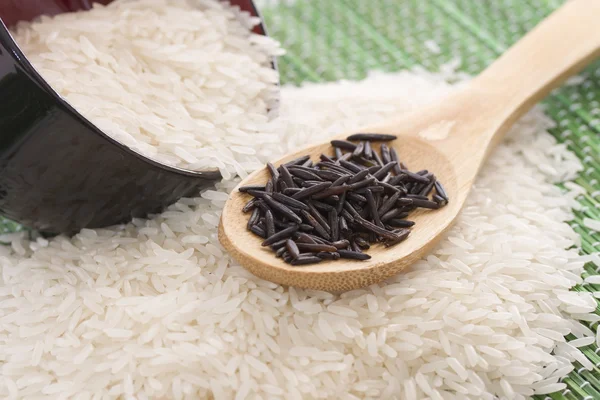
338,207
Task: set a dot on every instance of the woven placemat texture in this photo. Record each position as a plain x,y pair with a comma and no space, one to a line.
336,39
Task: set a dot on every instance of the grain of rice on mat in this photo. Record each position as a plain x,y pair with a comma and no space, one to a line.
156,309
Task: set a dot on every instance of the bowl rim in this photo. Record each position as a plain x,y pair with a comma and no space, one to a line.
20,58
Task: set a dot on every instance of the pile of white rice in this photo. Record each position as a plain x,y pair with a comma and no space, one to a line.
156,309
182,81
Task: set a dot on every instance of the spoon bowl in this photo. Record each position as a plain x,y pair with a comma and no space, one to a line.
450,138
342,275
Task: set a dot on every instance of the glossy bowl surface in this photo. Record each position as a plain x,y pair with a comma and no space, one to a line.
58,172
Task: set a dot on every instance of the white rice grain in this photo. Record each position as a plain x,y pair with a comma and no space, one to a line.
591,224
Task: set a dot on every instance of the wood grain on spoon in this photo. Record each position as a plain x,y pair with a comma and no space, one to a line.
450,139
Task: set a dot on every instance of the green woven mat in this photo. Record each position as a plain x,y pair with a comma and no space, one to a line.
335,39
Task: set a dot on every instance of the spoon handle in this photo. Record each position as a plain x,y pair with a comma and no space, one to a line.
558,47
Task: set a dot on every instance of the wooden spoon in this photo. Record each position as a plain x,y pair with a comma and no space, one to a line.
451,139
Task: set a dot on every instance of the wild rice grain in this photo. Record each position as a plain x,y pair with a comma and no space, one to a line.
328,175
279,244
394,157
292,248
352,167
439,188
333,224
389,203
341,244
304,238
400,223
297,161
373,208
253,218
368,151
269,223
376,229
279,252
377,158
250,205
361,184
308,163
317,215
425,204
333,190
244,189
414,177
357,198
382,172
359,176
316,247
286,233
353,255
316,225
360,147
283,209
362,243
286,176
289,201
340,205
311,190
304,260
385,154
329,256
273,171
376,137
343,144
301,173
269,187
396,213
341,180
257,230
402,235
440,200
322,206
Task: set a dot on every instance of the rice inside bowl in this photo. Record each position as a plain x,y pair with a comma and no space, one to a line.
184,82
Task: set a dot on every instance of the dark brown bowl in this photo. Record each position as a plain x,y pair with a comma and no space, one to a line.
58,172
